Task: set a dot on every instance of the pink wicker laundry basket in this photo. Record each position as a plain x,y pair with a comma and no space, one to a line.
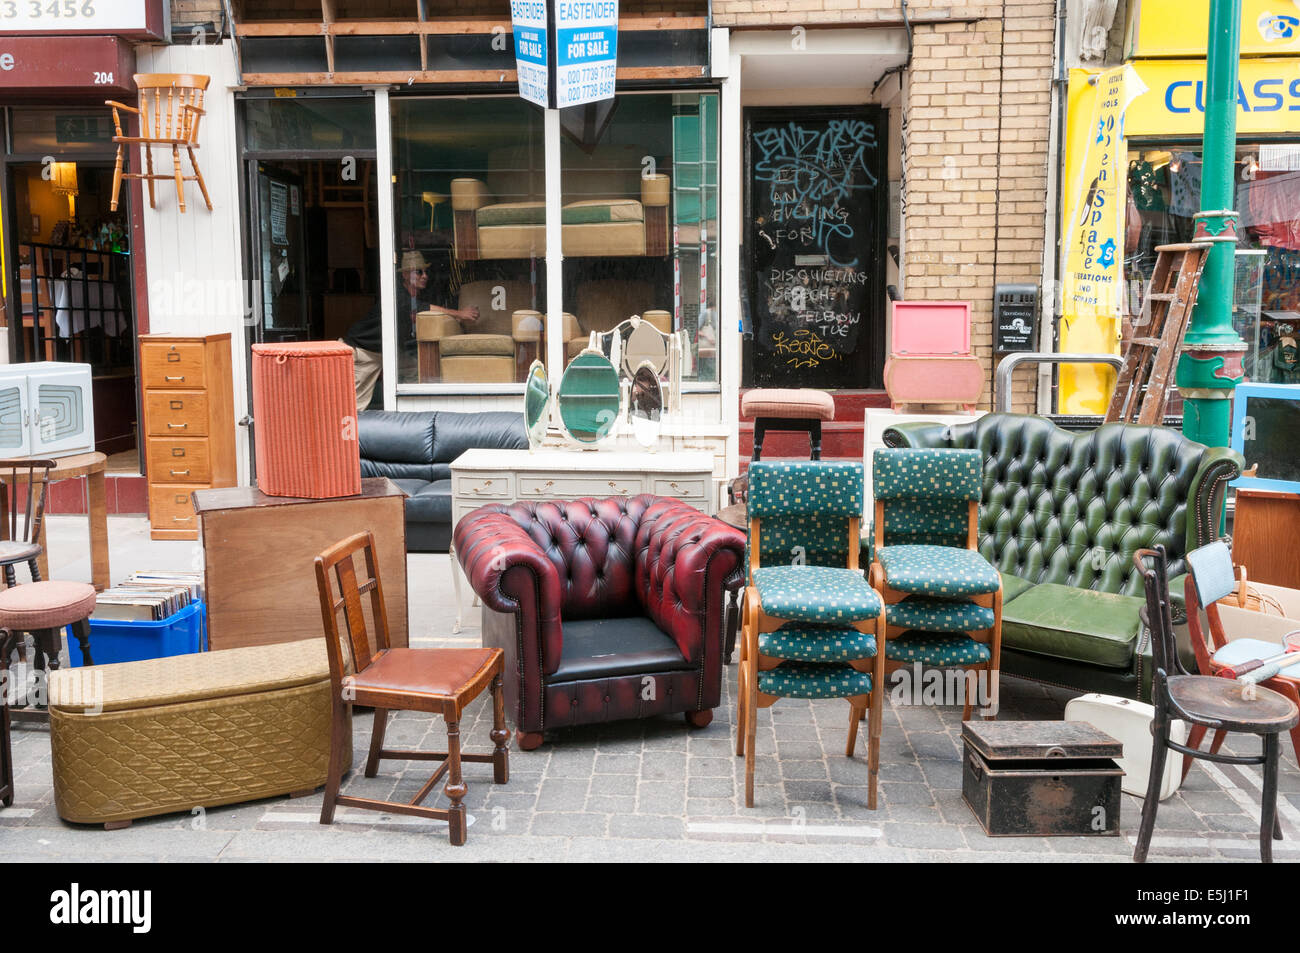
305,420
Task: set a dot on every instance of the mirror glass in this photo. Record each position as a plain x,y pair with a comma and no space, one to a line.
645,345
537,400
588,399
646,404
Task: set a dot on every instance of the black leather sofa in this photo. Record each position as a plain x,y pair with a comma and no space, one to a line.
415,450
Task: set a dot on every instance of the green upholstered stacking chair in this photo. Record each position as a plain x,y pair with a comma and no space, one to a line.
812,626
944,599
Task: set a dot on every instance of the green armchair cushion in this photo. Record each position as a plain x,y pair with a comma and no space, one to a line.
808,680
942,571
1082,625
807,643
935,649
817,594
939,615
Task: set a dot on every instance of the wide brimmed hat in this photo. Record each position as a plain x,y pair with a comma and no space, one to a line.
413,259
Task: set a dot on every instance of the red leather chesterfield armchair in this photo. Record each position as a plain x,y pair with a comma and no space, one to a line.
605,609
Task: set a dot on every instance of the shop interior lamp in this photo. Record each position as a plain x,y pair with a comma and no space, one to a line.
64,181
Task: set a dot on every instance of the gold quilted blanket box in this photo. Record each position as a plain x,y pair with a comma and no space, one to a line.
173,734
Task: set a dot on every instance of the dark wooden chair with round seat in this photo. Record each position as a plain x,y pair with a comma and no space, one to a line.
22,510
1204,700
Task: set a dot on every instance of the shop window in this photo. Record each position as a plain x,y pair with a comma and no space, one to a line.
470,220
1164,185
640,228
309,124
61,132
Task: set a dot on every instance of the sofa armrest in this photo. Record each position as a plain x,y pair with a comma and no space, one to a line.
686,563
1218,467
435,324
511,573
655,190
468,195
917,433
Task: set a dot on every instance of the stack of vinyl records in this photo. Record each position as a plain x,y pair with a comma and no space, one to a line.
149,596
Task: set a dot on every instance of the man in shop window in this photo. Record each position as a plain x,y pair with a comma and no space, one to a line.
365,337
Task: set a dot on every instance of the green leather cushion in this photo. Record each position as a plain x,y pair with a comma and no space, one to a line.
1082,625
1013,586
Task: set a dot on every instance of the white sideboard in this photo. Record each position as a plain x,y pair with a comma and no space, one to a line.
509,476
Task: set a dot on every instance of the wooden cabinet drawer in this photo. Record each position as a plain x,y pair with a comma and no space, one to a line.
179,460
177,413
481,486
170,506
571,488
693,489
172,365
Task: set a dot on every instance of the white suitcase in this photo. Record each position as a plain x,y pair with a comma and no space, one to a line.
1129,722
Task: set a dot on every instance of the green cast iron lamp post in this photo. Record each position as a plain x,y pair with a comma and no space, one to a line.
1210,367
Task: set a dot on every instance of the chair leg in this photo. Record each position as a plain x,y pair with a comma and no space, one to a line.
741,696
338,726
117,180
1268,825
751,730
1159,738
500,750
1194,739
180,181
873,744
6,756
855,718
455,788
35,566
376,741
148,165
199,177
81,631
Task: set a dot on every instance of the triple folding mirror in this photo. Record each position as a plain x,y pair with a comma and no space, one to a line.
634,354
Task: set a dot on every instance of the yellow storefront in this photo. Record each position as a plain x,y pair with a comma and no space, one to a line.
1159,191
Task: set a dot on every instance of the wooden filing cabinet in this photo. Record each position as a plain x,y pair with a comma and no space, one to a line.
189,425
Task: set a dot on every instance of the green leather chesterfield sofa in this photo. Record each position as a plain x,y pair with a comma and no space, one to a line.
1061,514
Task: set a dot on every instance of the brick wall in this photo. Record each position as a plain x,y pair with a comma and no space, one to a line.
188,12
977,111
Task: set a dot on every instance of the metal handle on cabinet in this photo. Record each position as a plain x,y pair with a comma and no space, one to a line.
179,472
180,378
178,426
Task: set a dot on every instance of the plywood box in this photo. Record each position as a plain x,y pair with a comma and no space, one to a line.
259,552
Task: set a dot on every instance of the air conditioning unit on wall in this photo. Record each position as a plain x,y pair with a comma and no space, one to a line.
46,410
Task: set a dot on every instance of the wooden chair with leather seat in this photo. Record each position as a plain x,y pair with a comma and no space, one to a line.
1204,700
372,674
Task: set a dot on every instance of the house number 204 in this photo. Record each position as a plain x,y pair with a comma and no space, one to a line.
103,79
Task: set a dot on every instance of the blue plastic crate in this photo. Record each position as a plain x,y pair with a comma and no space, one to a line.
117,640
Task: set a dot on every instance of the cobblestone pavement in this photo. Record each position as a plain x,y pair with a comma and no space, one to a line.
657,790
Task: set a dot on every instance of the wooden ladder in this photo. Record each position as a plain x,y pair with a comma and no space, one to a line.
1149,355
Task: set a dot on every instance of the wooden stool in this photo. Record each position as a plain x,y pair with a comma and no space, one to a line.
44,609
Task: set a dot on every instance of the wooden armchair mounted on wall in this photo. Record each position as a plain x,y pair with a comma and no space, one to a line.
171,106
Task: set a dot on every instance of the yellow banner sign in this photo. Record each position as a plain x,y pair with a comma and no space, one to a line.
1092,269
1173,104
1182,27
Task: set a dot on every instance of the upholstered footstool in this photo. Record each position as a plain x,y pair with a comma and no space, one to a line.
44,609
783,408
171,734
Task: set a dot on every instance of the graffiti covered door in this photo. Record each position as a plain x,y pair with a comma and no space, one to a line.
815,222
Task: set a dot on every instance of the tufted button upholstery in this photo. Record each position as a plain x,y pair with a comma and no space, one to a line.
1072,508
549,562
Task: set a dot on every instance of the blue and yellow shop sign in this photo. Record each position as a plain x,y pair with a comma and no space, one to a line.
1181,28
1268,98
1093,239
